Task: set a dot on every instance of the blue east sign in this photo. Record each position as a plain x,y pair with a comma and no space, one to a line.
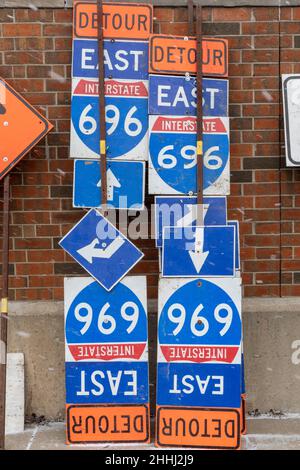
125,184
122,59
176,95
209,385
198,251
182,212
107,382
101,249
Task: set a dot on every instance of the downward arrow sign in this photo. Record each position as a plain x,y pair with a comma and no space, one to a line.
90,251
112,182
198,257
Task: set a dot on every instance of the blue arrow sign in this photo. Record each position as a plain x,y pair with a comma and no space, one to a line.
235,223
126,117
122,59
101,249
182,212
198,251
199,342
125,184
175,95
173,157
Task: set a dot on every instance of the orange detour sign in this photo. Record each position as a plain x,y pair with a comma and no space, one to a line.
21,127
120,20
107,423
178,55
207,428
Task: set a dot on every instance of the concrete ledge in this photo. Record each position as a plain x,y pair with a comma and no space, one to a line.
52,437
270,305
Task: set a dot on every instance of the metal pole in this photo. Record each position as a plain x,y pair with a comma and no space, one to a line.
191,17
199,117
102,152
4,310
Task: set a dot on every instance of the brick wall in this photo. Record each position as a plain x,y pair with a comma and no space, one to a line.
35,57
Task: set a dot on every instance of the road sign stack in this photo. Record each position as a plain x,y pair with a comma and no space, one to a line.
199,313
126,33
106,331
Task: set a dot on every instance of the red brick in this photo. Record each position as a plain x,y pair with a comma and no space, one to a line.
17,30
231,14
164,14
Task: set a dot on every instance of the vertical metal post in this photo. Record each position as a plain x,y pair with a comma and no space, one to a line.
199,117
4,310
191,17
102,152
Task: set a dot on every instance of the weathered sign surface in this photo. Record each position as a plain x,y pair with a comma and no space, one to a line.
199,362
173,156
99,247
291,106
21,127
178,55
125,184
107,358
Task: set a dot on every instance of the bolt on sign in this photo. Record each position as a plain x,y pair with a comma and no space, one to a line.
120,20
291,107
177,211
21,127
106,347
199,363
178,55
101,249
173,155
125,184
126,29
176,95
126,116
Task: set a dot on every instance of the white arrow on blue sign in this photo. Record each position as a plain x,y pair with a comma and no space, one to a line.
106,341
199,342
126,118
198,251
175,95
122,59
173,156
101,249
125,184
181,211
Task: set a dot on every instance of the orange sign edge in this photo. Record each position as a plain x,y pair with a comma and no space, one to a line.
158,444
48,127
153,70
72,405
148,5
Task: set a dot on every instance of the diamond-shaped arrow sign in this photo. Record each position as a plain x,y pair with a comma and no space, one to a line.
21,127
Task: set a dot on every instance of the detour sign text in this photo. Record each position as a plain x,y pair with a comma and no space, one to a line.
178,55
207,428
107,423
120,21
